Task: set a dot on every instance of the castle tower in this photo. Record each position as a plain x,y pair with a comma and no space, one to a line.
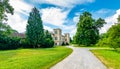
57,36
67,38
59,39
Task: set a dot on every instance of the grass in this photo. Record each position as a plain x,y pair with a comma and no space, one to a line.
32,58
110,58
83,46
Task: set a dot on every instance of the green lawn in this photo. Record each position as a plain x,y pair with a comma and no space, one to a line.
32,58
91,46
109,57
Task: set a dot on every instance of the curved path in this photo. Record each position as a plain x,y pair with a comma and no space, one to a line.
81,58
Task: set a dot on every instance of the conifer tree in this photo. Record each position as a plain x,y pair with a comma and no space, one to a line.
34,30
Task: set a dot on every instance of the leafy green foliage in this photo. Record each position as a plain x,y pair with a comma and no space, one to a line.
6,30
5,7
6,42
34,31
88,29
112,37
99,23
65,44
9,43
103,41
48,42
24,43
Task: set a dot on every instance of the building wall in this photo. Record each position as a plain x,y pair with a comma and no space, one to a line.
59,38
67,38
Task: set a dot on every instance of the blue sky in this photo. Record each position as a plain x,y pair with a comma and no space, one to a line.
63,14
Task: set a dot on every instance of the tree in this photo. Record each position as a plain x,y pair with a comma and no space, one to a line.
34,30
118,19
6,42
48,40
88,29
4,8
99,23
112,37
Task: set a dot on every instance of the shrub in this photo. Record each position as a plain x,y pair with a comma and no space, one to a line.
9,43
48,43
63,44
24,43
67,43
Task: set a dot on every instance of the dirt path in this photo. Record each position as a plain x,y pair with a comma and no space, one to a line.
81,58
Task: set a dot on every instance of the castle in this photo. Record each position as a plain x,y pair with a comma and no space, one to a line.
59,39
57,36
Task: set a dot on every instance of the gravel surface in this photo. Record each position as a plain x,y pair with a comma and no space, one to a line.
81,58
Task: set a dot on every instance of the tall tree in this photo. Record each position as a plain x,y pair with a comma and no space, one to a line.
34,30
48,41
5,7
114,35
88,29
118,19
6,42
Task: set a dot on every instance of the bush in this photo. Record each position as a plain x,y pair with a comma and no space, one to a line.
24,43
63,44
67,44
103,42
114,43
9,43
48,43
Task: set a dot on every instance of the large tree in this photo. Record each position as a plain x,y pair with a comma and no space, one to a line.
88,29
114,35
48,41
34,30
5,7
6,42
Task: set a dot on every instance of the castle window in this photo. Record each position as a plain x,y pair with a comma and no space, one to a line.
55,38
55,32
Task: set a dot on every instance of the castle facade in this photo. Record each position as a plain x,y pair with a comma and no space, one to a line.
60,39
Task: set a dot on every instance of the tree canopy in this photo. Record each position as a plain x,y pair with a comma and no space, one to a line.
34,30
5,7
88,29
112,37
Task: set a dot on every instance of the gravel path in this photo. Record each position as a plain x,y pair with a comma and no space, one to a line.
81,58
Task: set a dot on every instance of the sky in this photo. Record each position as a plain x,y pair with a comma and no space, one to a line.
63,14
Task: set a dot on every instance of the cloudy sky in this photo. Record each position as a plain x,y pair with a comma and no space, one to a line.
63,14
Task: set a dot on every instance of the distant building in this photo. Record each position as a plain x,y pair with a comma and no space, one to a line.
21,35
59,39
57,36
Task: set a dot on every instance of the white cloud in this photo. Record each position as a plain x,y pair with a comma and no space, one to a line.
54,16
20,6
63,3
69,29
110,21
16,21
48,28
102,13
76,17
73,32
